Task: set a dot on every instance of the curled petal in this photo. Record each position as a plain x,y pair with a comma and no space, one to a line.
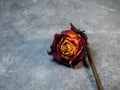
69,33
54,41
57,55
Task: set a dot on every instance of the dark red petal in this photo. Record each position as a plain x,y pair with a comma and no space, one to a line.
67,32
57,55
80,57
53,46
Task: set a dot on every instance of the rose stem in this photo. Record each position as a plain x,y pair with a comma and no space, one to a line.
90,59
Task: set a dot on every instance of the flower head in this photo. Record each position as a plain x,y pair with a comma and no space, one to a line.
69,47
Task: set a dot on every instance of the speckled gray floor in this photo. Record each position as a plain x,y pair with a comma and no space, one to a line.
26,32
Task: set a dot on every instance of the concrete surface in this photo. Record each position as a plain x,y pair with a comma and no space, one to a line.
26,32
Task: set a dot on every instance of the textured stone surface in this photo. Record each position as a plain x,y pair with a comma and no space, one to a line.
26,32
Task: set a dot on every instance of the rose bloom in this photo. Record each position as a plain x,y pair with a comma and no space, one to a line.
69,47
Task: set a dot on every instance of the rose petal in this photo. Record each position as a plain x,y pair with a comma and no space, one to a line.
57,56
69,33
53,46
80,57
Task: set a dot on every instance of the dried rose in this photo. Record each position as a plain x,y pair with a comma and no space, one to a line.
69,47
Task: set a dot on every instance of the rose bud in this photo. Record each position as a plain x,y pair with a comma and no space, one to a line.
69,47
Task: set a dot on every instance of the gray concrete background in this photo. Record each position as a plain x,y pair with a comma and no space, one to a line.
26,32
